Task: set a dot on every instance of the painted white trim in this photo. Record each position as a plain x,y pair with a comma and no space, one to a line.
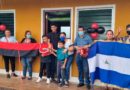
62,8
95,7
36,75
7,11
113,17
14,12
42,24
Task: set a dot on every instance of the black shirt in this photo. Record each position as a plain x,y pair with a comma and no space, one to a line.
54,38
32,40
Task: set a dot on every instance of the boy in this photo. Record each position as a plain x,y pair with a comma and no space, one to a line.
61,63
45,50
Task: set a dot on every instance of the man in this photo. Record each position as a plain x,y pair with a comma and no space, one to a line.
82,41
7,59
54,38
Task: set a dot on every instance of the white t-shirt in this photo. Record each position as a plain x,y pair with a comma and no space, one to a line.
8,39
68,43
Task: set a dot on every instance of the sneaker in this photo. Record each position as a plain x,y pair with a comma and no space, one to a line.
88,86
48,81
53,80
61,85
23,78
80,85
58,81
66,84
29,78
39,80
14,75
8,75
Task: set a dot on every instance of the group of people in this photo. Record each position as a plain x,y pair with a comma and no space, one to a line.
57,54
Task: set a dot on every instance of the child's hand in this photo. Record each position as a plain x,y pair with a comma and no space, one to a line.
65,50
54,54
54,50
44,48
63,67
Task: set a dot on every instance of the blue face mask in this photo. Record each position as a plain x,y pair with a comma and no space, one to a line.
81,33
62,38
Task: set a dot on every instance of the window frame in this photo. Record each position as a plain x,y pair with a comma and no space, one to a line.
96,7
11,11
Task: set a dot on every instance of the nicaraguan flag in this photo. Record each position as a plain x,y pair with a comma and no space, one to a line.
110,63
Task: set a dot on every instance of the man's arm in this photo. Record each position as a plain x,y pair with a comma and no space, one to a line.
90,41
75,44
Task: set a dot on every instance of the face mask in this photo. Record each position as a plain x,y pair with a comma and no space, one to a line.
128,32
28,36
62,38
81,33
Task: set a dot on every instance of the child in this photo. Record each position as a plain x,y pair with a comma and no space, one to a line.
69,48
45,50
62,59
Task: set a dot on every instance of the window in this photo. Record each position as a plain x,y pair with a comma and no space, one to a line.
7,18
102,15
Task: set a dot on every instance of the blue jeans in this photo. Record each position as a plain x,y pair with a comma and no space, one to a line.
60,72
27,65
68,64
53,66
83,69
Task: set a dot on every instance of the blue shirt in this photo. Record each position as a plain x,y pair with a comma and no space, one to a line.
82,41
60,55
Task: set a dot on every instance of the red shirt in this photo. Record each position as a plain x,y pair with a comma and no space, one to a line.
45,49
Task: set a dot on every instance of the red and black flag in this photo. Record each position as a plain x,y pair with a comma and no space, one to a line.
19,49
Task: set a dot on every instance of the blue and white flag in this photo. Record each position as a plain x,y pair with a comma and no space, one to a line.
110,63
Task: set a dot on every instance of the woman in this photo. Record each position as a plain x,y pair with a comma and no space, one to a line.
27,61
109,38
7,59
69,48
126,39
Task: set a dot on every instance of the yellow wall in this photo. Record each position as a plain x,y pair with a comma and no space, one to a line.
28,16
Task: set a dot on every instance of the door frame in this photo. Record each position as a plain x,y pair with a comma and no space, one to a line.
60,8
71,22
